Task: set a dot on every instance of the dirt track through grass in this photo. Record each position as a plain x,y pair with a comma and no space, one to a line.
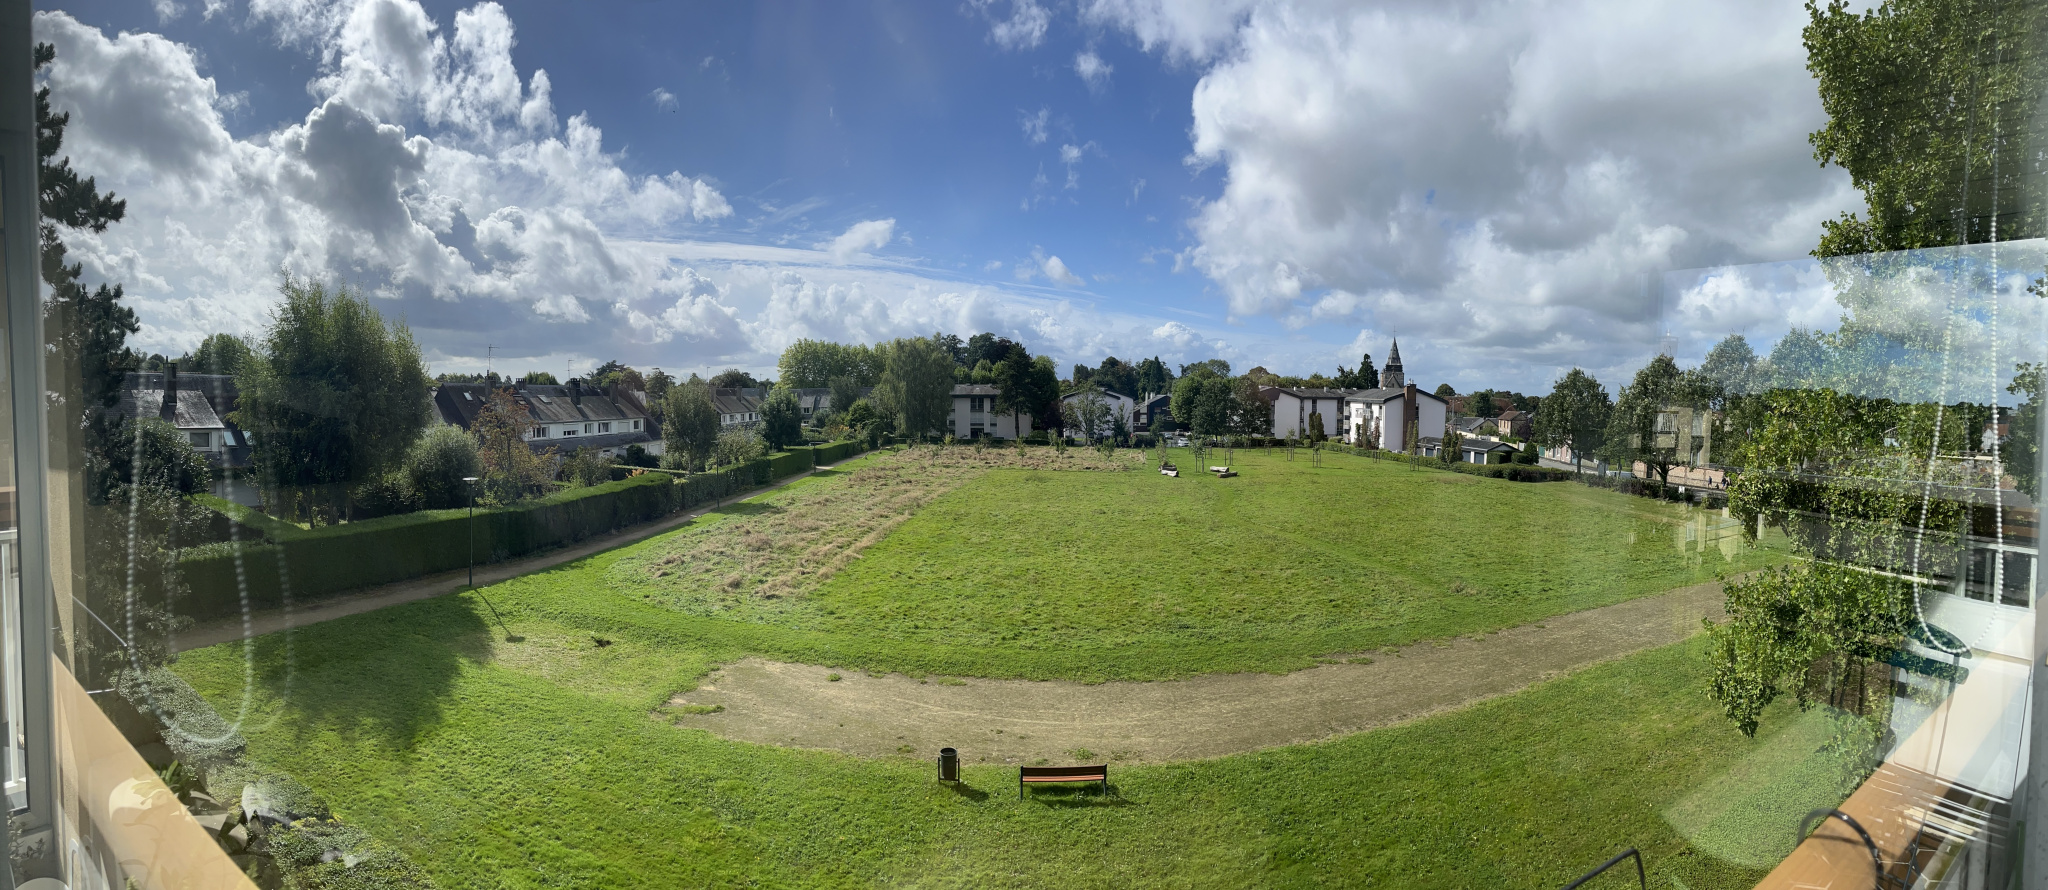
1021,721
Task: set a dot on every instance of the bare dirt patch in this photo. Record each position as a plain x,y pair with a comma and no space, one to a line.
1021,721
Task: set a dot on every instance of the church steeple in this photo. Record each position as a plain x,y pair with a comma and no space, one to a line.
1392,378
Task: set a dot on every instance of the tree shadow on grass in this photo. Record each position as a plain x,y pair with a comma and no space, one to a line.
381,675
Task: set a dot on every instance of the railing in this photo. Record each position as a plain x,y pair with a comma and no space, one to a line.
1642,879
1881,877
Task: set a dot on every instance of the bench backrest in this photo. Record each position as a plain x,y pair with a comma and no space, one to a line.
1054,771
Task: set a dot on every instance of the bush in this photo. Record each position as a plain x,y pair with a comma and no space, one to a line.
735,447
636,456
386,495
584,467
436,465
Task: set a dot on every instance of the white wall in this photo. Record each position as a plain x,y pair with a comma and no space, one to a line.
1290,414
963,420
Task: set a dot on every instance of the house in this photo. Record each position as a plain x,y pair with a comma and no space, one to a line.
1485,451
1120,405
738,407
198,405
1292,408
565,417
1470,426
1382,418
1516,424
974,414
1150,408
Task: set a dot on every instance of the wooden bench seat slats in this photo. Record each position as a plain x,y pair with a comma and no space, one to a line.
1036,774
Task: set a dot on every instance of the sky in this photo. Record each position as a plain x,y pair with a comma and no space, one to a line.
1507,186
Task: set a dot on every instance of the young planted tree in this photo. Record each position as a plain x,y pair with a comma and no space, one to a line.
336,395
1090,414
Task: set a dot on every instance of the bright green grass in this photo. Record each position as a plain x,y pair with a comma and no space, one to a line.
1097,576
538,764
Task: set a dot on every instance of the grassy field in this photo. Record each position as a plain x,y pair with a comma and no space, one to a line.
999,572
538,764
546,762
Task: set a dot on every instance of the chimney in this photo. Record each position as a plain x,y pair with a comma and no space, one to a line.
169,410
575,391
1408,415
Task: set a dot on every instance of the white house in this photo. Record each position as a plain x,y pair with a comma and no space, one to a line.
974,414
1117,402
1292,408
1382,417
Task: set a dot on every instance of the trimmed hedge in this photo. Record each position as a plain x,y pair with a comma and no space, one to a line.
331,559
1510,472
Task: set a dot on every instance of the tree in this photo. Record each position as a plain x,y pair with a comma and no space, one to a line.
584,467
1154,377
1923,97
511,469
983,372
859,415
2022,446
1315,427
1799,358
87,328
733,378
735,447
1480,404
689,426
1117,376
1251,414
160,457
1213,366
917,384
1366,377
1633,432
1203,402
1574,416
811,364
1732,365
782,419
1453,443
980,348
1021,384
1090,414
217,354
436,465
1445,392
335,395
844,392
539,378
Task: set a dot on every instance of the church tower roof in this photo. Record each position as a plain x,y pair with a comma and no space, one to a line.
1392,377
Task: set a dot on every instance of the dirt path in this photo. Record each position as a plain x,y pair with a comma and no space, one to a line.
1010,721
429,586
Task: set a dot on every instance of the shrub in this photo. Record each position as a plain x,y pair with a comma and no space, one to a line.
436,465
585,467
736,447
636,456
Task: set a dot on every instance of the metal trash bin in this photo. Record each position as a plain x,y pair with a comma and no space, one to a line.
949,765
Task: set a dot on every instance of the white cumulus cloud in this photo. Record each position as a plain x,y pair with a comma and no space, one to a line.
860,238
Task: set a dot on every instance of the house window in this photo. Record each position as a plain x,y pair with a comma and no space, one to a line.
586,428
468,398
539,432
636,424
568,430
604,427
199,440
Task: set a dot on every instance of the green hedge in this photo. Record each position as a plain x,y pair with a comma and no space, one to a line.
331,559
1510,472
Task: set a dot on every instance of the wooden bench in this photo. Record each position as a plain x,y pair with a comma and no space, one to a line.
1169,470
1037,774
1222,472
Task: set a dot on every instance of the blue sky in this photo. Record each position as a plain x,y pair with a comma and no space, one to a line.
694,185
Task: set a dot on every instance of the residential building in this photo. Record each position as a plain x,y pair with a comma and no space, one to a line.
1516,424
565,417
198,405
974,414
1382,418
738,407
1293,407
1150,408
1117,402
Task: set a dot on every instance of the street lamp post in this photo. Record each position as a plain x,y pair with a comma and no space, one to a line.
471,480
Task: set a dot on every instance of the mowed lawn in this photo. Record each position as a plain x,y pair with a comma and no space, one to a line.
1133,575
548,762
541,763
